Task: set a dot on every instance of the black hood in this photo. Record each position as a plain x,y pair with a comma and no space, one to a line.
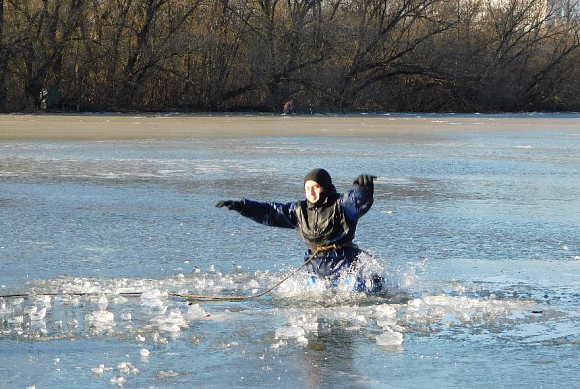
321,176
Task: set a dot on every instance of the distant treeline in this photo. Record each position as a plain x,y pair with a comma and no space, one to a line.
327,55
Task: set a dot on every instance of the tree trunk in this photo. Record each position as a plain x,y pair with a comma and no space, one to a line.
3,59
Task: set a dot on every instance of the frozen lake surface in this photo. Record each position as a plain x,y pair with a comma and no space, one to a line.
477,233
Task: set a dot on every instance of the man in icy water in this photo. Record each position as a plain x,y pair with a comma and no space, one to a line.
326,221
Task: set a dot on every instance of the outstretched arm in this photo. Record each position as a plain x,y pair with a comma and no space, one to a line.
269,214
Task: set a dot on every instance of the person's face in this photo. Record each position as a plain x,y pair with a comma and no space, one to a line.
312,190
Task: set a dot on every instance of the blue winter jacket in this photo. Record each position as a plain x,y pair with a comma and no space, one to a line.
332,221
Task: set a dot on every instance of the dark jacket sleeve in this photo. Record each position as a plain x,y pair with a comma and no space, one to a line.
357,201
271,214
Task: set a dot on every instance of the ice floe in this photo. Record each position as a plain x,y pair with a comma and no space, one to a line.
390,338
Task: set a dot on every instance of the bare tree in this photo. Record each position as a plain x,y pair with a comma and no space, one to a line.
466,55
280,43
3,58
548,79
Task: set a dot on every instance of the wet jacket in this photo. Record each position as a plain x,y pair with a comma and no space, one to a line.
333,221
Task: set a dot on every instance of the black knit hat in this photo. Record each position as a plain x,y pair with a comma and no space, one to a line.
321,176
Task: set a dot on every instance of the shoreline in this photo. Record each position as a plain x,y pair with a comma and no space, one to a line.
117,126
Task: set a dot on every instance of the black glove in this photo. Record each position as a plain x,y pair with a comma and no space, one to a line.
364,180
231,205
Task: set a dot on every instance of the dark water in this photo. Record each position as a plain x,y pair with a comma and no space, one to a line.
476,232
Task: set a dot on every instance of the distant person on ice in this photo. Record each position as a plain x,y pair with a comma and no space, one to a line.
326,221
289,107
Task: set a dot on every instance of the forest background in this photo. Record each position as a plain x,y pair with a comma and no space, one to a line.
326,55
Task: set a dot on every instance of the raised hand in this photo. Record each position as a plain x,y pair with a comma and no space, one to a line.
364,180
